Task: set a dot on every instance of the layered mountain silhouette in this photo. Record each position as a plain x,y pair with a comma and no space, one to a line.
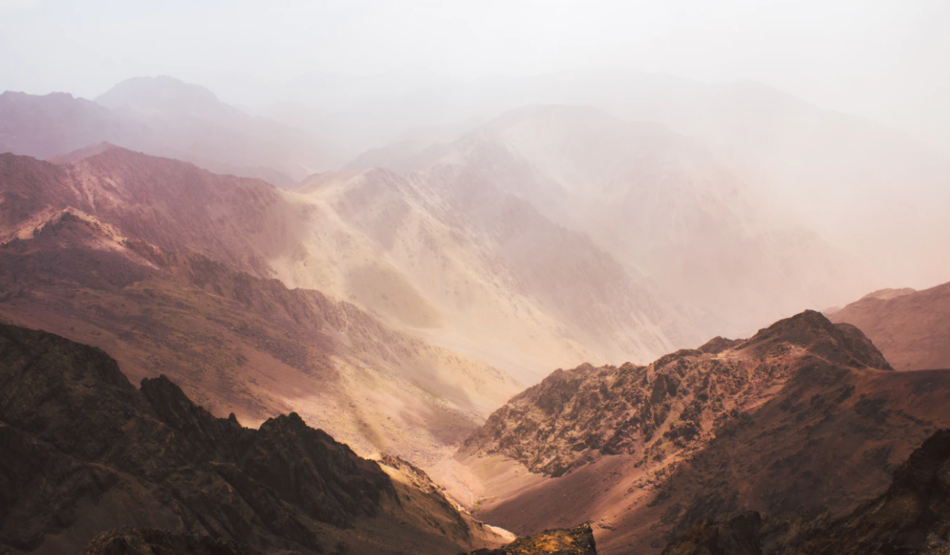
166,117
170,268
446,256
841,175
660,204
805,417
910,327
499,273
334,358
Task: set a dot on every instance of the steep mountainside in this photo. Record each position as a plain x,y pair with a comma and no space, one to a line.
84,451
804,417
444,255
842,175
912,328
910,517
659,203
148,541
152,274
495,269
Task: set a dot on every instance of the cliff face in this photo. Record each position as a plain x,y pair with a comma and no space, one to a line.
84,451
574,417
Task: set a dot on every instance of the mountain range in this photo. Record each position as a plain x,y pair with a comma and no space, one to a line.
840,175
661,204
434,319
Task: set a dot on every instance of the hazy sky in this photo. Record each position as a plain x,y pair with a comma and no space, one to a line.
888,60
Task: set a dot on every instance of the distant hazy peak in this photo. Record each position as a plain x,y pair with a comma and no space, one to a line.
163,95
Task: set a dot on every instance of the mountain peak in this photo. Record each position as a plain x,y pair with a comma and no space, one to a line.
163,96
811,330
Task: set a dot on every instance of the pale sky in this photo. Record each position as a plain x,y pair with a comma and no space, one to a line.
886,60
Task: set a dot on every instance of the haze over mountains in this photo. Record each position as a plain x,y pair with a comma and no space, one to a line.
795,213
841,174
412,269
166,117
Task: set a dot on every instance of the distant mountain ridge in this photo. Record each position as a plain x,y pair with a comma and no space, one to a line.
660,204
911,327
166,117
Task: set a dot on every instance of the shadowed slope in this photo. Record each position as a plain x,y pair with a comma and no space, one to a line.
85,451
909,518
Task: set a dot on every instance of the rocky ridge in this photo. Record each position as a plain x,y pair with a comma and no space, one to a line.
805,418
84,451
575,416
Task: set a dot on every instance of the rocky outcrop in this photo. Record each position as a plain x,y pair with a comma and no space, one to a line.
805,418
576,416
578,540
838,343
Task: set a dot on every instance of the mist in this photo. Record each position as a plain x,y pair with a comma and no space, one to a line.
455,276
880,60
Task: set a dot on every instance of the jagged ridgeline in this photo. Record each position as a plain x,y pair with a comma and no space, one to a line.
805,418
574,416
83,451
